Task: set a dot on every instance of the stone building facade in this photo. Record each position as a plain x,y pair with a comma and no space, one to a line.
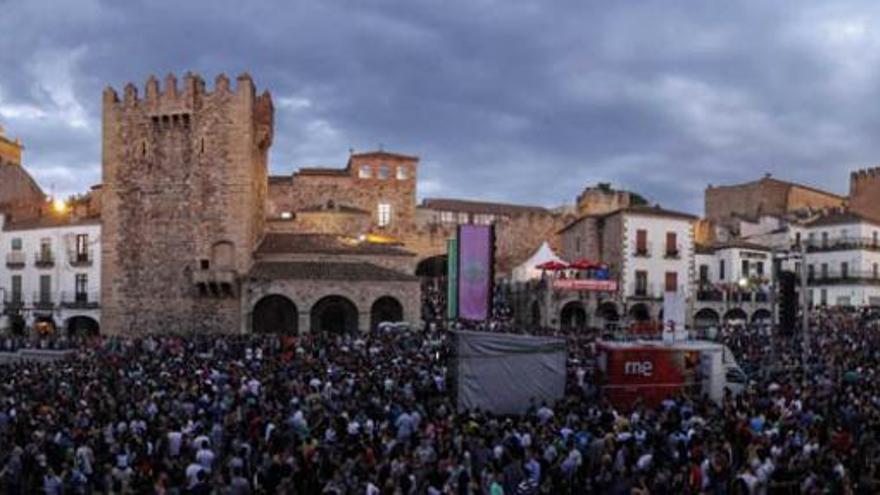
183,202
329,283
378,186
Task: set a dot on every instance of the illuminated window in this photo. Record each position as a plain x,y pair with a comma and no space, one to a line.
402,173
365,172
384,214
286,215
384,172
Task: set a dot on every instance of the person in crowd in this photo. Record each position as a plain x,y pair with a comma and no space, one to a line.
374,413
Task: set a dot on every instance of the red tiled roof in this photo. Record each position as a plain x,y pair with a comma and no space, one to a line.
327,270
333,172
334,209
278,179
840,218
290,243
49,221
635,210
468,206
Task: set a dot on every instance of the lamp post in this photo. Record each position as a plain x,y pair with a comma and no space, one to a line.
805,324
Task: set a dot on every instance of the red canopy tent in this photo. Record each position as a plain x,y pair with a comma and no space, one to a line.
552,266
584,264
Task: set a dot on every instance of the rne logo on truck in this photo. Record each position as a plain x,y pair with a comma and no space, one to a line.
639,368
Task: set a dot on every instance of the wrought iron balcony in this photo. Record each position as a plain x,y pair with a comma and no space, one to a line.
842,244
15,259
648,291
215,282
643,251
44,259
80,258
672,252
43,300
81,300
850,277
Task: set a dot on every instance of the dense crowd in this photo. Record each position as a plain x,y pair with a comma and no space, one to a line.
374,414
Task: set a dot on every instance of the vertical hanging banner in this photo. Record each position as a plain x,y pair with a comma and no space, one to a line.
475,246
452,279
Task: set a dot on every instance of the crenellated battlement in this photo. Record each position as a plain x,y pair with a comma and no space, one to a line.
170,97
871,174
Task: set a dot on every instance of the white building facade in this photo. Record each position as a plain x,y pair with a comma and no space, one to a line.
734,284
50,275
657,253
843,261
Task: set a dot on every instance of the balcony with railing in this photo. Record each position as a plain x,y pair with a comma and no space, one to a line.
13,301
642,251
43,300
841,244
44,259
672,252
81,258
215,282
80,300
848,277
15,259
647,291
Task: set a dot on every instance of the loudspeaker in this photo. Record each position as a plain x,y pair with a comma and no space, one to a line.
788,303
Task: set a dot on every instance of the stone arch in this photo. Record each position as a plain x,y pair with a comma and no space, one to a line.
735,314
275,313
608,311
82,326
761,315
573,316
706,317
335,314
535,314
386,308
640,312
223,255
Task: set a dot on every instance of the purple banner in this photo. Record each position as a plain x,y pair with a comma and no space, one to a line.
474,271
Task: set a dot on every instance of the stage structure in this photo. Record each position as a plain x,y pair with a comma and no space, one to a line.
504,373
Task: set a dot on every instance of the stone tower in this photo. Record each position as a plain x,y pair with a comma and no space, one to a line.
864,193
185,181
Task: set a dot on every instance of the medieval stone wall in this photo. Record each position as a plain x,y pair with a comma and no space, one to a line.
864,193
599,201
801,198
185,186
582,240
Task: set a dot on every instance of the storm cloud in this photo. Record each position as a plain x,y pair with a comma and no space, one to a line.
520,101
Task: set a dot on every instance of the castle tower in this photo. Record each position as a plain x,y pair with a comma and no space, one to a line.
864,193
184,193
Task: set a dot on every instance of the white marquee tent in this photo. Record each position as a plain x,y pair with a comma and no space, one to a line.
527,271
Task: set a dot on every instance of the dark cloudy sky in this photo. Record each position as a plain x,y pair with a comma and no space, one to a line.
523,101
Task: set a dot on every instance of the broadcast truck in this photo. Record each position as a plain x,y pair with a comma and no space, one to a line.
653,370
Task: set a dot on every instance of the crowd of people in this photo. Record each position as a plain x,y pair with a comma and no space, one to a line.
375,414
